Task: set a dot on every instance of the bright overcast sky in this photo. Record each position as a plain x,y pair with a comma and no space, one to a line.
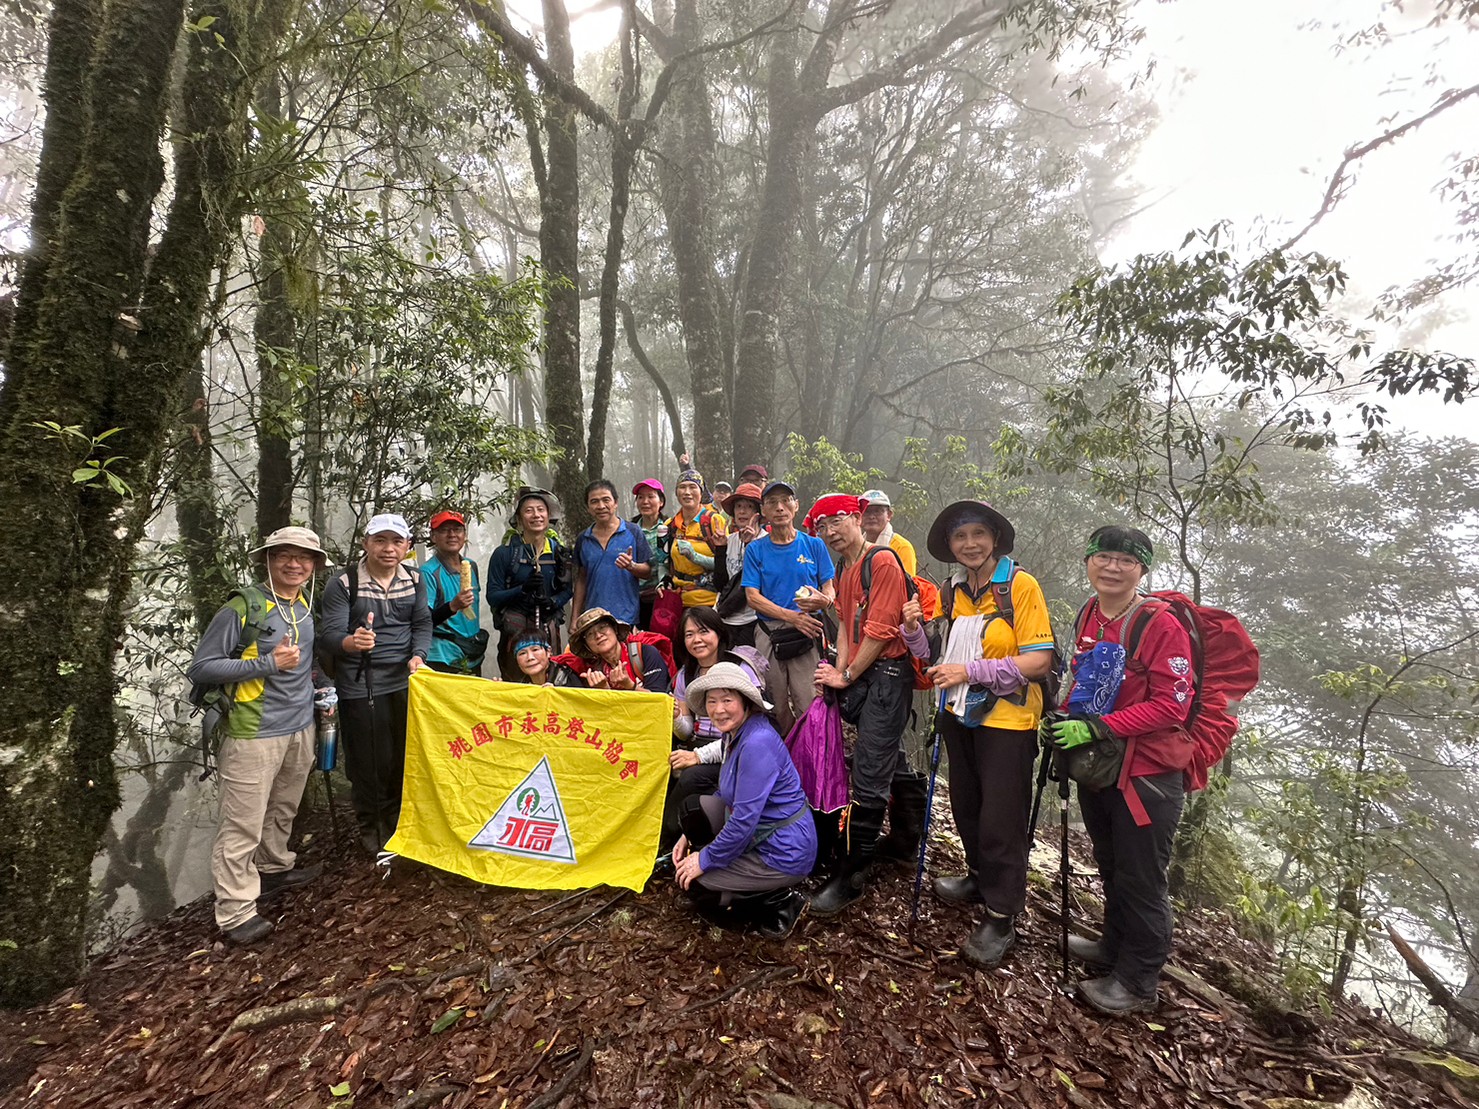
1258,103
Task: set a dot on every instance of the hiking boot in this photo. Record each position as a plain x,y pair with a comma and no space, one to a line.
1110,996
958,888
777,913
905,820
280,881
1089,951
847,885
251,930
989,943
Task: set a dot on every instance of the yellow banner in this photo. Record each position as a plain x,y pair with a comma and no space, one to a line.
532,786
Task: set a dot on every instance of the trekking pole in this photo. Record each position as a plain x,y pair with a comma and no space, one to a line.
1062,765
1042,781
367,667
929,805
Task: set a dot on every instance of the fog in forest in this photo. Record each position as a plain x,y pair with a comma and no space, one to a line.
943,249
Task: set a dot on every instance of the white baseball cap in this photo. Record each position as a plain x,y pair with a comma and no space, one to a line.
877,497
388,521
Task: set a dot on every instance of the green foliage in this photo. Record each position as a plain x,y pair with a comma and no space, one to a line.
821,467
93,469
401,395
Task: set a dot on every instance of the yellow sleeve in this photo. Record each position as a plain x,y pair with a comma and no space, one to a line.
1034,629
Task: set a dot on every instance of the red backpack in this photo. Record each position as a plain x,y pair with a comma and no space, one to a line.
1225,663
634,645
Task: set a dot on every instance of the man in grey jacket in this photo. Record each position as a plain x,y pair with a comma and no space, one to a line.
259,650
377,630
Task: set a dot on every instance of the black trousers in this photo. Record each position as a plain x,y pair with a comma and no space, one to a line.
375,757
886,693
1133,862
688,782
991,799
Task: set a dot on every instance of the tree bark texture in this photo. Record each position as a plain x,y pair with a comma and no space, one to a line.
687,179
70,35
559,255
769,257
623,159
276,333
111,349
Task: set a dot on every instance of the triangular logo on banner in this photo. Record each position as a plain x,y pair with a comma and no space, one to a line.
531,822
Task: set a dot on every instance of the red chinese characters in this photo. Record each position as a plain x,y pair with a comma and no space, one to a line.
529,834
459,747
481,734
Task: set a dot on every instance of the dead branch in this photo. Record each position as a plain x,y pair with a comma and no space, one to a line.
271,1016
552,1096
423,1098
773,974
1336,189
1442,996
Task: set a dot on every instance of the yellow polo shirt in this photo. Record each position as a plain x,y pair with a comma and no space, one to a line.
1030,630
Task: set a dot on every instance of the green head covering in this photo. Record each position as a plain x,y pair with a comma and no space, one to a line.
1122,540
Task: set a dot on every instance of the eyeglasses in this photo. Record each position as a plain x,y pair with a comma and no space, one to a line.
1119,562
293,556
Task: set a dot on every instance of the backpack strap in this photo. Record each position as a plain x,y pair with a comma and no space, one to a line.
1001,593
865,579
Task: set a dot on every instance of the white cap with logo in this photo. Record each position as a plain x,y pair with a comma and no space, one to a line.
877,497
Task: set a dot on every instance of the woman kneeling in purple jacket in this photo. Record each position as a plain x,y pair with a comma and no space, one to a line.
744,849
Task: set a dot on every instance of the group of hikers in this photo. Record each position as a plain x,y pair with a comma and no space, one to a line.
746,617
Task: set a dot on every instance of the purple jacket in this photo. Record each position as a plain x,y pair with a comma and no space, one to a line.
761,790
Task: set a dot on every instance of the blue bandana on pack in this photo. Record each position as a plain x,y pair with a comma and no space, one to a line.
1097,674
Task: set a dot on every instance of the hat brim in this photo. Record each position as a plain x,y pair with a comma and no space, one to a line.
551,502
950,518
699,690
727,503
578,638
320,556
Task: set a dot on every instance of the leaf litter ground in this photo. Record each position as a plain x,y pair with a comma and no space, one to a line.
424,989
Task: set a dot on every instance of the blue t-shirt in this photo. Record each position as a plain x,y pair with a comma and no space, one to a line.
607,585
779,570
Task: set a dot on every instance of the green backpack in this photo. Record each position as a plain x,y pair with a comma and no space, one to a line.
215,702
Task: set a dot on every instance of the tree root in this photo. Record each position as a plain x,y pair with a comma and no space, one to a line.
271,1016
551,1097
427,1096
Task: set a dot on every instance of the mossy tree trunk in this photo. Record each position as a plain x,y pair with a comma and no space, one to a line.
276,333
111,346
688,179
559,255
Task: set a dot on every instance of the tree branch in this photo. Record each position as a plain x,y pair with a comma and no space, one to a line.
964,25
629,325
522,48
1441,995
1336,189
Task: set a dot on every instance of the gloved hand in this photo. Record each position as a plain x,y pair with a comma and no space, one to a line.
1068,734
685,548
1079,730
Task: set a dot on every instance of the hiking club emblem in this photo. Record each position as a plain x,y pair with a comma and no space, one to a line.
530,823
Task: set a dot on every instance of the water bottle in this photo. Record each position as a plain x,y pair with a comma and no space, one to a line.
326,716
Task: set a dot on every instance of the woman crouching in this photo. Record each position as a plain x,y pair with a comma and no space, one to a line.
744,849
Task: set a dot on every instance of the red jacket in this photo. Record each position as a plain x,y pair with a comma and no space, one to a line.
1155,694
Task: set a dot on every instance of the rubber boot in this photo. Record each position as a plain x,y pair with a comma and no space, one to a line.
710,905
905,819
777,912
847,885
828,838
